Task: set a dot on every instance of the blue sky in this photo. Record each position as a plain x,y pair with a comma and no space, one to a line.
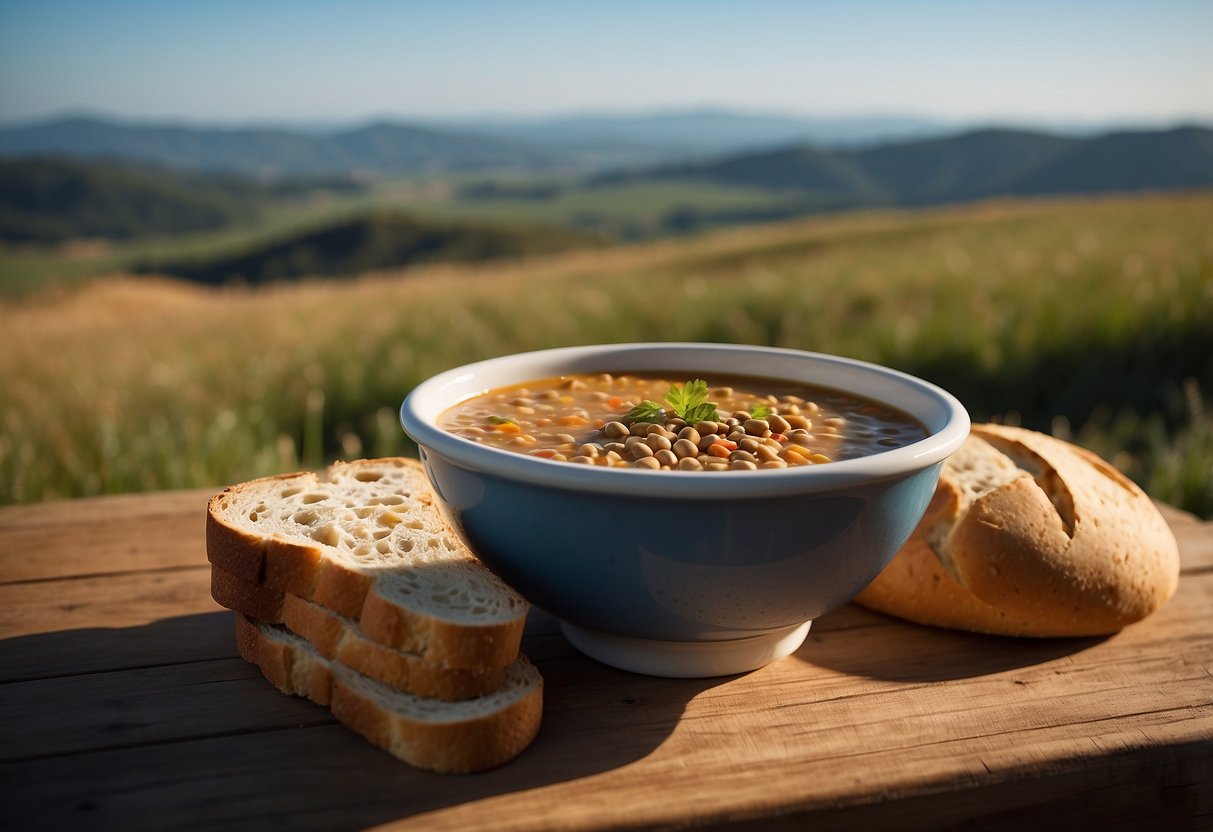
273,60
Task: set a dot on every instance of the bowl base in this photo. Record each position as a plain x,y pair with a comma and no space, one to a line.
687,659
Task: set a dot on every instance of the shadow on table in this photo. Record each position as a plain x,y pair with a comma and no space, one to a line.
166,726
859,642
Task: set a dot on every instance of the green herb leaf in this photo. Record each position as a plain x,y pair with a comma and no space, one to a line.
646,411
690,401
705,412
501,420
687,396
760,411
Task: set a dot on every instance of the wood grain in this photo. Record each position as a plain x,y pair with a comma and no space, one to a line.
94,537
124,706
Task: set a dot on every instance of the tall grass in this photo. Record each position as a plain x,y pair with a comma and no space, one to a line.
1093,315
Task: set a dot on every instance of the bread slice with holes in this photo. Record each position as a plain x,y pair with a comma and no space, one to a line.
447,737
1028,535
367,541
341,639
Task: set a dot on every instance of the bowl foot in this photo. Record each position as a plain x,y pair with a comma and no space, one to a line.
686,659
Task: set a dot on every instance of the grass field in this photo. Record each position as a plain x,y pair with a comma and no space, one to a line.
1089,318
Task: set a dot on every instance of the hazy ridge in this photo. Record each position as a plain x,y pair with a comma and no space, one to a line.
585,142
968,166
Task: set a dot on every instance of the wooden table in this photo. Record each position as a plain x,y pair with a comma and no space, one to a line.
123,705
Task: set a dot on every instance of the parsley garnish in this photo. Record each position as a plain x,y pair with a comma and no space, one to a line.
760,411
646,411
501,420
689,403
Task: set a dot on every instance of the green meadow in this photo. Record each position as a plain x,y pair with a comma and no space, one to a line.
1087,318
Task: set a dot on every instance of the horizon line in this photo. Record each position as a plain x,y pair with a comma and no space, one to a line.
1123,121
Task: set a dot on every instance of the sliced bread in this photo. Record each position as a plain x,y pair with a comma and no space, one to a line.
447,737
367,541
1030,535
340,639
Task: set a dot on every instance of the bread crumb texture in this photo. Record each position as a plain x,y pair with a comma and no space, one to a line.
375,517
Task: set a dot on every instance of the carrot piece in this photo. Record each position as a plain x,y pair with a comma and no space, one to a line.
793,456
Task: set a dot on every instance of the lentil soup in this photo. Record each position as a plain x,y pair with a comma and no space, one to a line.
671,421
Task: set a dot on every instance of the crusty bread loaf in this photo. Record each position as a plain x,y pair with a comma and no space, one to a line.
340,639
1028,535
365,540
448,737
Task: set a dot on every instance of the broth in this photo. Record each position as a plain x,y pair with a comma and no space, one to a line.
674,421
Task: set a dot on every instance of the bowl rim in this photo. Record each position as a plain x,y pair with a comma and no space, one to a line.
425,403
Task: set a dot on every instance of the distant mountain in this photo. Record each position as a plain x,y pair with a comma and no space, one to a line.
377,240
378,148
390,147
704,132
576,144
974,165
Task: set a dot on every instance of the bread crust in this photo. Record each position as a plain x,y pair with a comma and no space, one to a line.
1066,547
254,600
460,646
461,744
338,640
232,549
915,586
304,570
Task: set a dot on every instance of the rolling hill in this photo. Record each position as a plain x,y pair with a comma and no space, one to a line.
1181,158
49,200
974,165
372,241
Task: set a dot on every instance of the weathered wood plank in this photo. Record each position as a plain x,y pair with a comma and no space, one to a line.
892,688
175,640
646,769
1195,547
102,535
118,508
143,706
102,548
124,707
123,600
